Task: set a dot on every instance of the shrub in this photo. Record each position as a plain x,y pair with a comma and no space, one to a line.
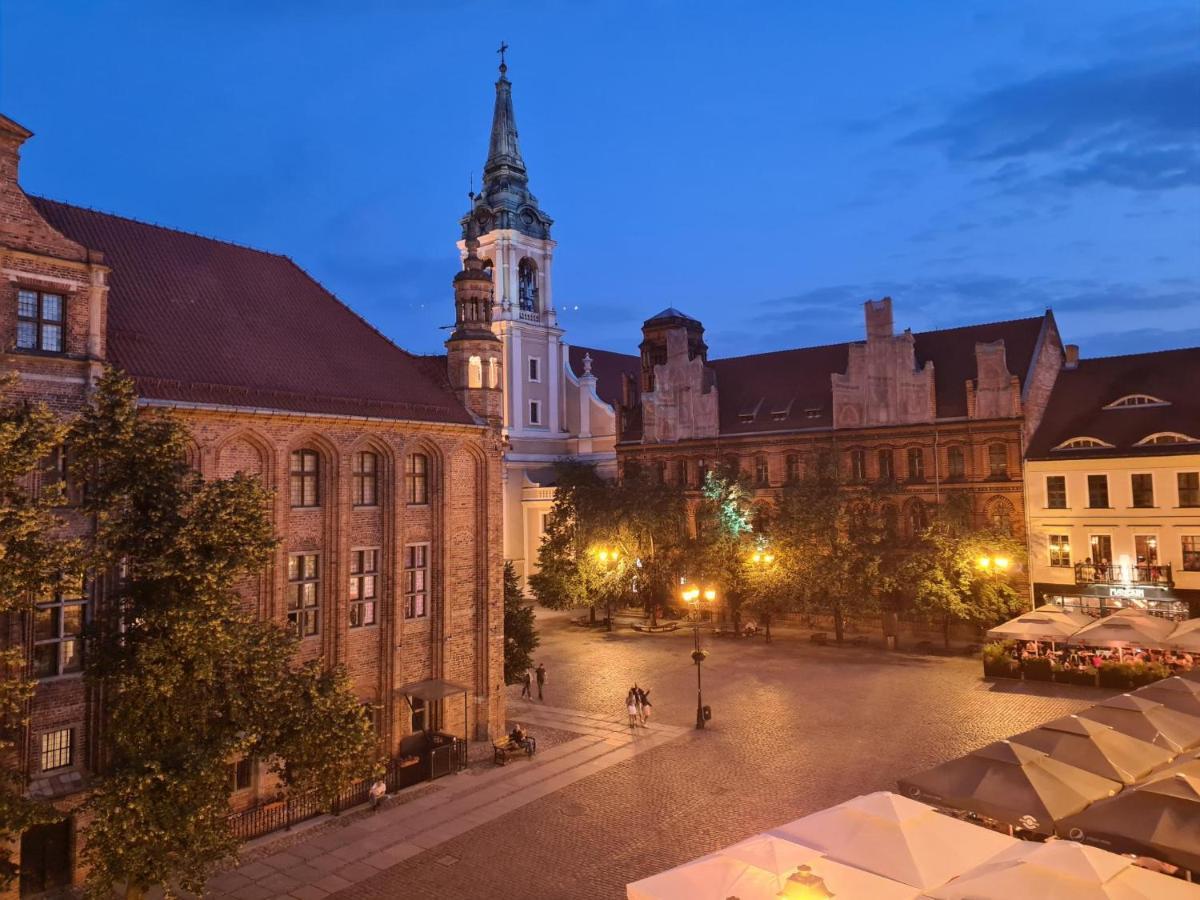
1118,675
1037,668
1086,675
1149,673
997,662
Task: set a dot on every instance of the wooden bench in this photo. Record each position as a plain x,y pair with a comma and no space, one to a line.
647,628
819,637
508,747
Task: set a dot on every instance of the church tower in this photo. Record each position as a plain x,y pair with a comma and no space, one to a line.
516,250
473,352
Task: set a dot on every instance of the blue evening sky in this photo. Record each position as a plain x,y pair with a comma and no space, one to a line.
764,166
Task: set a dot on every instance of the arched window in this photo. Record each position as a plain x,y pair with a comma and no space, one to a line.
493,368
1130,400
858,465
956,464
1000,515
474,372
997,461
1084,443
416,477
793,467
366,479
1167,437
887,465
527,288
305,478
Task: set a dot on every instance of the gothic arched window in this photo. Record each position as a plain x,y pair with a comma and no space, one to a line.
1000,515
527,289
916,518
474,372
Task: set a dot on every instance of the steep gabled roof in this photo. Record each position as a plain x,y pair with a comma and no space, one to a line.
1077,405
199,320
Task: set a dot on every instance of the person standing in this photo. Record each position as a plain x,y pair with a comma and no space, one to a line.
631,707
378,792
527,684
644,704
541,678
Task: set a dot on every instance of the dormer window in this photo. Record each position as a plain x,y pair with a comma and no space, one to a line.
1084,443
39,321
1167,438
1132,400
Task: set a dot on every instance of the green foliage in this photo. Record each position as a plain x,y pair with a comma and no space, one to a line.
1131,674
997,652
724,536
32,559
1037,668
520,634
190,681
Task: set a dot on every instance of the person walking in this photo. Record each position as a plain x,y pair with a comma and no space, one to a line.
631,707
527,684
644,704
541,679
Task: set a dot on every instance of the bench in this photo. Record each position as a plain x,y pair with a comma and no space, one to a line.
646,628
508,747
819,637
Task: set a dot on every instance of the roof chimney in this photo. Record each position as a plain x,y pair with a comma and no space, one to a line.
879,318
12,136
1071,360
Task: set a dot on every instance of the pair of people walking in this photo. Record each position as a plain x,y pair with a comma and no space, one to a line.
637,704
538,674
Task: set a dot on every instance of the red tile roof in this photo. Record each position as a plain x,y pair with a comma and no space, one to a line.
204,321
609,369
1076,407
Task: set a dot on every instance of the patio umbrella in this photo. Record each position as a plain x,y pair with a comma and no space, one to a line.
1125,628
1160,819
897,838
1186,636
774,854
1174,693
719,877
1046,623
1096,748
1011,783
1147,720
1063,870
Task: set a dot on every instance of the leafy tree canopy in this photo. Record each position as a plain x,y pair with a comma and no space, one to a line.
520,633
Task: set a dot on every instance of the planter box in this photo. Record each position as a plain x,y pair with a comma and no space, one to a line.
1084,678
1001,670
1036,670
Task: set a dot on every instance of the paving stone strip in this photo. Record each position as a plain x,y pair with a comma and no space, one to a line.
333,859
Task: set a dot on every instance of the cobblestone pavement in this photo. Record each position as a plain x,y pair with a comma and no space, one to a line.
795,728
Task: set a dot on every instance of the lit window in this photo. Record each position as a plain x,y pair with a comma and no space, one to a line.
305,478
39,321
1167,438
474,372
1097,491
1056,492
1189,488
416,581
1060,550
58,620
58,749
416,477
366,479
303,602
1191,552
364,576
493,373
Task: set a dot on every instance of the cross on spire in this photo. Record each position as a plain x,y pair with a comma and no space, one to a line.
503,66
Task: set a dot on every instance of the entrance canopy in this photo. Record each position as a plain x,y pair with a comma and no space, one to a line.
433,689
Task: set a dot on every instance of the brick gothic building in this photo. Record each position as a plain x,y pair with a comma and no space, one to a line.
937,413
386,467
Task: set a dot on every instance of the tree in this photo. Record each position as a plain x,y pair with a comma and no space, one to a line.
831,543
520,633
724,535
190,682
33,557
950,582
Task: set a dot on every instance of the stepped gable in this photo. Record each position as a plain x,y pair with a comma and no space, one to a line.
198,320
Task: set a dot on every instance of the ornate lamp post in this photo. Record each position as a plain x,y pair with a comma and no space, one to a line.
693,596
760,562
608,558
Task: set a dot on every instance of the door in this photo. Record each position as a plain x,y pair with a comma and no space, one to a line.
1101,547
46,858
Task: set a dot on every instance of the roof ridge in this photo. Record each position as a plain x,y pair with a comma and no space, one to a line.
1116,356
195,234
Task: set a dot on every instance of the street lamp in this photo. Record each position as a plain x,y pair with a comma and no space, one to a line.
993,563
760,560
692,596
608,557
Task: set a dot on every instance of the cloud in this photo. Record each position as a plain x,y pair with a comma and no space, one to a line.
1139,340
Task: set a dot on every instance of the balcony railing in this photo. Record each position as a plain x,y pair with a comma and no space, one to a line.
1157,574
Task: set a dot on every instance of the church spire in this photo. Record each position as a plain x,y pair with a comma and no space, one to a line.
504,155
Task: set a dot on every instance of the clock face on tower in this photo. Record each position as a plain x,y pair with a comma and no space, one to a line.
484,221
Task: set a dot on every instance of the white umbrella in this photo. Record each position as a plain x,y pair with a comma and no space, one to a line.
1063,870
1046,623
1185,637
1125,628
718,877
897,838
775,855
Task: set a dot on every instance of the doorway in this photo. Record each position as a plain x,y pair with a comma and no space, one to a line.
46,858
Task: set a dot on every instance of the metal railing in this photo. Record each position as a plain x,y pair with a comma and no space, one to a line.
1117,574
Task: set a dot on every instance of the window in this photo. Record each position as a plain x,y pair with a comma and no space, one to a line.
1097,491
241,775
957,463
793,467
997,461
493,373
1056,492
1084,443
1145,549
535,412
366,478
1191,552
1000,515
660,470
527,291
306,471
1060,551
916,464
1142,490
887,465
416,477
1100,546
416,581
417,716
474,372
58,749
58,620
39,321
364,576
535,373
762,474
683,472
371,714
303,603
701,472
858,465
1167,437
1136,400
1189,488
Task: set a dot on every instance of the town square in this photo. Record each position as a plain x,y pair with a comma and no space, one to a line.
773,470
